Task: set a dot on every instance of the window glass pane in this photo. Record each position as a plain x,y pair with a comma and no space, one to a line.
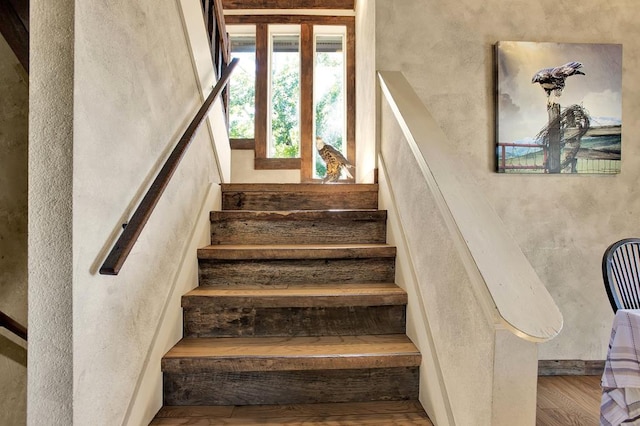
284,139
242,87
329,94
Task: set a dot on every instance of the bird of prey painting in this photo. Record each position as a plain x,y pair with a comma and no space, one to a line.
553,79
336,163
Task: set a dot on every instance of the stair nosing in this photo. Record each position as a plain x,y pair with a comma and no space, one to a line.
244,353
298,296
293,251
297,187
299,215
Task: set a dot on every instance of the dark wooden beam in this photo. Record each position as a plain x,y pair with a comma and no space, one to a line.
276,163
14,26
307,141
289,19
262,91
351,95
242,143
289,4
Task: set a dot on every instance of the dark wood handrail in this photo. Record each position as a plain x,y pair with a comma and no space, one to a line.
13,326
133,228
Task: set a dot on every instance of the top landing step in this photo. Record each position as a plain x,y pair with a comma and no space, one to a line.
301,196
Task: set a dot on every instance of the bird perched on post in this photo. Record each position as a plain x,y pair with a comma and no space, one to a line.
553,79
335,161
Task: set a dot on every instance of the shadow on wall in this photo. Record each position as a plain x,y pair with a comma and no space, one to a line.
12,350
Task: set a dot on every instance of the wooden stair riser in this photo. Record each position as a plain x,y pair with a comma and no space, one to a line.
301,321
299,197
298,228
291,387
281,272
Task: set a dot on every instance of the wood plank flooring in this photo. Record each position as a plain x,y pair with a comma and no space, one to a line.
568,401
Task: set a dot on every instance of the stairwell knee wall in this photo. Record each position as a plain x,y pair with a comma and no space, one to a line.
488,375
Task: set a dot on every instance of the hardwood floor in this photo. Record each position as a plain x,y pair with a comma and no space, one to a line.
568,401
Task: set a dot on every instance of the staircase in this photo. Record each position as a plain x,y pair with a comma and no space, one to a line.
296,315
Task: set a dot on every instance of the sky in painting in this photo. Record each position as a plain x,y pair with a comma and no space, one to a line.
522,106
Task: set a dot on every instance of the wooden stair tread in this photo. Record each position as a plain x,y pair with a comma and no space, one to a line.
377,294
299,196
298,187
298,214
355,413
293,251
291,353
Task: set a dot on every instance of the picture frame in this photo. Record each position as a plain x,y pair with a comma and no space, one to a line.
559,108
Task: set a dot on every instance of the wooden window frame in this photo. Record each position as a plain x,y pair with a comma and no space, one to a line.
307,144
288,4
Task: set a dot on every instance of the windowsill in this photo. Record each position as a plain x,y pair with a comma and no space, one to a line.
266,163
277,163
242,143
339,182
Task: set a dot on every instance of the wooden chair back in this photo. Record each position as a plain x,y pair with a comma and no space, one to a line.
621,273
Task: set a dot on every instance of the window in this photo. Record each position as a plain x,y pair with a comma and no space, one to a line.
284,92
304,69
242,87
329,91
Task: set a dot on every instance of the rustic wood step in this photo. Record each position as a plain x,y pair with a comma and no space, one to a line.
299,227
365,294
282,265
290,353
283,273
298,370
293,251
291,387
355,413
295,311
299,196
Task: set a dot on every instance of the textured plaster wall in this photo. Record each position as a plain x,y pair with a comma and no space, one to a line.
14,109
50,359
135,93
112,88
365,91
562,223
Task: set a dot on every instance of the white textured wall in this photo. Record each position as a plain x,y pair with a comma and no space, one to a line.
50,359
14,108
136,91
562,223
125,90
365,91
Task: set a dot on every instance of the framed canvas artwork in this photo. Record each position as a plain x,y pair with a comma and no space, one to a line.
559,107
